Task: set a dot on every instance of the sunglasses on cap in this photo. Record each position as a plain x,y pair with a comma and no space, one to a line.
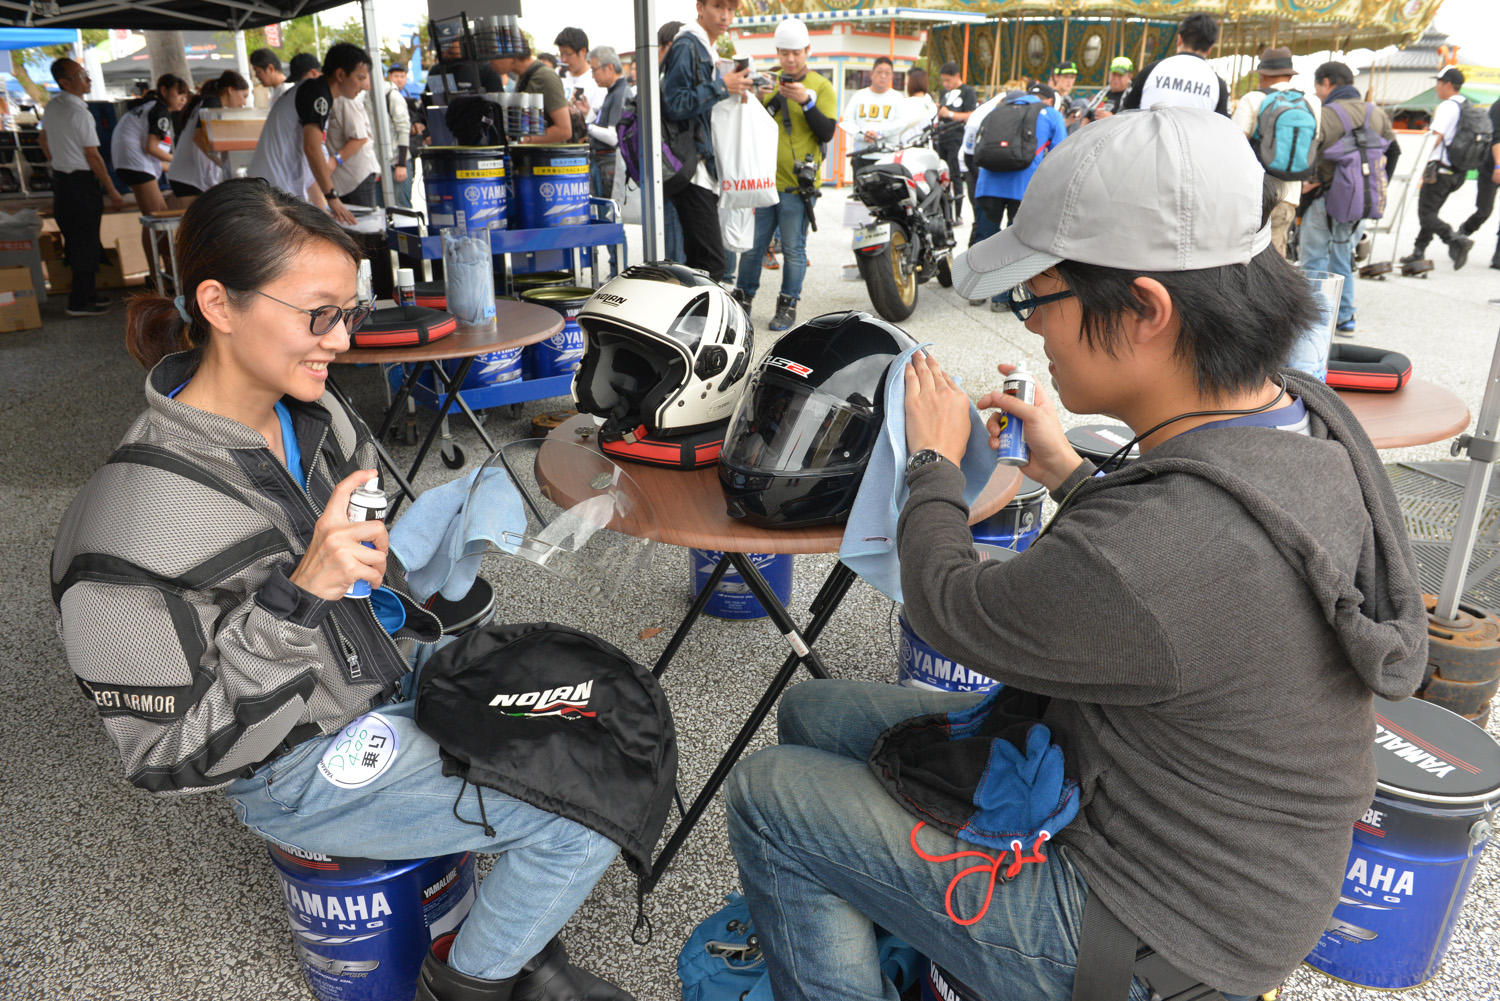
324,318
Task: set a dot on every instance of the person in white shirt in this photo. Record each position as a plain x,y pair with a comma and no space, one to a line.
1185,79
1439,179
584,92
355,171
400,146
265,65
196,167
141,146
80,183
920,109
875,113
1275,71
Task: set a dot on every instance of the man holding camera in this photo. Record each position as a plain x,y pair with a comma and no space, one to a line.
803,104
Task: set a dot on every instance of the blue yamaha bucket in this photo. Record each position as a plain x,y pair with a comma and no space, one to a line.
1017,524
489,369
552,185
732,598
919,665
560,353
1415,849
362,926
465,186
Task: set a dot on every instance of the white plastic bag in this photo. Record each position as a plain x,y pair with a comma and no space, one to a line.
737,229
626,194
745,142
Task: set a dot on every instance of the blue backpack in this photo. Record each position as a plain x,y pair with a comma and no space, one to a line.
1284,134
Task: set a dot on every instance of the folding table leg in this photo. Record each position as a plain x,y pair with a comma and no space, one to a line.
699,603
835,586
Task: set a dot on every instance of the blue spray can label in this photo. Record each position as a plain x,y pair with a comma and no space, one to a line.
1012,450
367,503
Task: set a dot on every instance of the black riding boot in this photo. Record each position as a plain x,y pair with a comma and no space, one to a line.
550,977
438,981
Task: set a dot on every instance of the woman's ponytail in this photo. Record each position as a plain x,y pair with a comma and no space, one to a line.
154,328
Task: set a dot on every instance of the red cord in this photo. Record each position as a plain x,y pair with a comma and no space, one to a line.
990,865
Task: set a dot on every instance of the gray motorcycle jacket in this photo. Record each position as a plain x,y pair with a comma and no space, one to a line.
170,574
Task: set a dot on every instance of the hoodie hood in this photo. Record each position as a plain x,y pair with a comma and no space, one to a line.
1378,612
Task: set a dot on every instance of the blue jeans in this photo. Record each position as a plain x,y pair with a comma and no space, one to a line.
403,188
790,214
1325,244
824,856
546,868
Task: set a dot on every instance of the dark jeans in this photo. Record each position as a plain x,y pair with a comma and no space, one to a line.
1001,211
702,242
366,193
1437,185
78,205
950,152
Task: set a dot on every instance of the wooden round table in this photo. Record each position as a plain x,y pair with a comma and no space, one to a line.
687,505
1418,413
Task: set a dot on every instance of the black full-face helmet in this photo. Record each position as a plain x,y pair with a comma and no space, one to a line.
797,446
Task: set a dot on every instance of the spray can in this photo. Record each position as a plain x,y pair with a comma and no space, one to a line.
406,287
1012,450
367,503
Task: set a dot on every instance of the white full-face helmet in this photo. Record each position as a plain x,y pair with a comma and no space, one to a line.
666,352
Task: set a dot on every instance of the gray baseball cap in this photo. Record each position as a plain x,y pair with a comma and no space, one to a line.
1170,189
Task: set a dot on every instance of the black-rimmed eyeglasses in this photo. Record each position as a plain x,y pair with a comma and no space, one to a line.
1023,302
324,318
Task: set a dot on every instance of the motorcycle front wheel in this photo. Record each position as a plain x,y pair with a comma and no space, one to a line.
891,282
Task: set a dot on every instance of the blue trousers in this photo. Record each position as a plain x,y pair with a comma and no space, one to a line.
790,215
547,864
824,855
1325,244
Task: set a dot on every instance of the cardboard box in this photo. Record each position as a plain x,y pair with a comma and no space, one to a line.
60,277
20,245
18,307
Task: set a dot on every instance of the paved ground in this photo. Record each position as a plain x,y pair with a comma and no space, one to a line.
109,894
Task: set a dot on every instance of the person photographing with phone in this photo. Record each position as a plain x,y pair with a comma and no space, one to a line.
804,106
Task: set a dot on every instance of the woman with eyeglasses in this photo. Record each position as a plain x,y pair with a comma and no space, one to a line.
201,578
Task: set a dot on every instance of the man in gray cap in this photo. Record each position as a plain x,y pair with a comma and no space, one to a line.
1217,712
1276,73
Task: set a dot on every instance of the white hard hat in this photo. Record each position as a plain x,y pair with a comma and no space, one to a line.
792,34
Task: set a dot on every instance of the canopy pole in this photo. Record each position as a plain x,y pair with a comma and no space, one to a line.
1062,56
966,53
378,116
648,110
241,59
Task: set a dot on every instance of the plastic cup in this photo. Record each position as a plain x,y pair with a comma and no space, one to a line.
1310,351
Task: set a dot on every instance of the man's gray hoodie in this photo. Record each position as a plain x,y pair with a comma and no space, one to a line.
1212,623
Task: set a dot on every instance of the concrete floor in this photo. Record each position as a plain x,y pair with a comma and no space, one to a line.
108,893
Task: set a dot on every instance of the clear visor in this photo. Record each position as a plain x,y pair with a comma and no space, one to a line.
783,426
565,508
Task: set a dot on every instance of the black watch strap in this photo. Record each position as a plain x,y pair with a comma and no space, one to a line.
331,194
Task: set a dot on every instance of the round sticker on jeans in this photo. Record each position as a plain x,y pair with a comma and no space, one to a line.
360,753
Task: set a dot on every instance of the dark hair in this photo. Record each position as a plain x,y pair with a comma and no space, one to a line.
1237,322
574,38
950,69
265,59
1199,32
548,58
1337,74
346,57
666,33
58,66
916,82
883,59
300,65
227,80
242,232
171,81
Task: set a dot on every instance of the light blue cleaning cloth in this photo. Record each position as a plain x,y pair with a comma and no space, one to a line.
444,534
869,544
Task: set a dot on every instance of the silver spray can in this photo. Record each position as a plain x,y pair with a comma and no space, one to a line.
1012,450
367,503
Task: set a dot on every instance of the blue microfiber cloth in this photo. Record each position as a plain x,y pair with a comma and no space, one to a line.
445,533
869,544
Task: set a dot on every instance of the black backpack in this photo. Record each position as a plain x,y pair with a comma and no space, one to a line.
1472,139
1007,137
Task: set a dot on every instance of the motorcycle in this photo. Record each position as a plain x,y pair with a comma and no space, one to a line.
908,191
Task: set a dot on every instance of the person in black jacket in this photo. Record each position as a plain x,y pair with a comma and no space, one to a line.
1489,180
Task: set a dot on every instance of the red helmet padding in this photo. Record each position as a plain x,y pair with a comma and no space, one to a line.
692,451
1374,370
402,327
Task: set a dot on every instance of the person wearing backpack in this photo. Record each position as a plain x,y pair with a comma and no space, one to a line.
1009,146
1489,180
1281,122
1456,123
1333,220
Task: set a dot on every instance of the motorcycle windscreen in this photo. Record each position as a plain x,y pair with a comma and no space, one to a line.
565,508
785,426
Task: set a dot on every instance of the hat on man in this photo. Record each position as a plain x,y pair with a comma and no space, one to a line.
1043,91
1453,76
1169,189
791,34
1121,64
1276,61
1068,68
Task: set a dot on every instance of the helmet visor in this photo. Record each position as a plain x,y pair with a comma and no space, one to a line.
784,426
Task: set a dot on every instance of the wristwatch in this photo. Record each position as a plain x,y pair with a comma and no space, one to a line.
926,457
331,194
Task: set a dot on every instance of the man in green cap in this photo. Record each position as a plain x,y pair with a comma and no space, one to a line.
1064,75
1120,71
